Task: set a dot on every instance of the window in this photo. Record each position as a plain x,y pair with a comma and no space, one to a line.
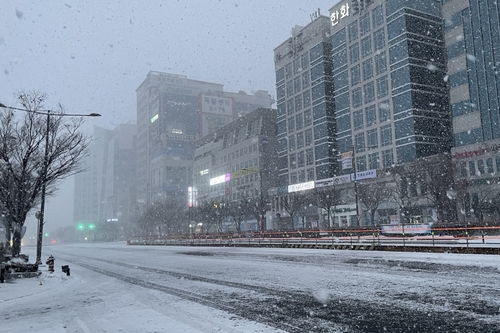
357,98
300,140
387,158
480,167
373,161
497,162
463,169
359,142
382,87
371,115
355,75
298,102
288,70
367,69
310,174
316,52
290,106
361,163
366,46
306,97
386,135
372,138
379,39
299,121
353,31
369,90
301,159
358,120
309,156
489,165
296,65
472,168
377,16
384,111
304,61
293,161
297,85
307,117
302,173
308,136
380,63
280,74
364,24
291,124
305,79
354,53
338,39
291,143
289,88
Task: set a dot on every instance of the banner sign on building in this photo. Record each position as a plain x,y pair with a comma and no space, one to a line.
365,174
216,105
220,179
324,182
346,160
301,187
341,179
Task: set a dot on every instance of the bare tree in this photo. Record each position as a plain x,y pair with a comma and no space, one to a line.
401,190
163,218
372,195
327,198
239,211
437,177
293,205
22,158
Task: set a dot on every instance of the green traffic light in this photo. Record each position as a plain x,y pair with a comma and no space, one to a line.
81,226
46,234
91,226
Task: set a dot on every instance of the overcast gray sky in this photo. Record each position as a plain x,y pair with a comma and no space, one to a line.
91,55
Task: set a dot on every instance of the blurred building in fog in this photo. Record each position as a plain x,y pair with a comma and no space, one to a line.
473,47
237,162
172,113
105,191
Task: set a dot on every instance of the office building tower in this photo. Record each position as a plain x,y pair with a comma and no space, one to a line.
172,113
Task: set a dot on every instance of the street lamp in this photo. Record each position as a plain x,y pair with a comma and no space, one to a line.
40,214
356,177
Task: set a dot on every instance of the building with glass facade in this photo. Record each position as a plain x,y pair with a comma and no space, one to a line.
370,79
473,50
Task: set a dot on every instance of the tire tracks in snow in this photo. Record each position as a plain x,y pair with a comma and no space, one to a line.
298,312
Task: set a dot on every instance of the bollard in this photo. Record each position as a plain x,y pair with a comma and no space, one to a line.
50,262
65,269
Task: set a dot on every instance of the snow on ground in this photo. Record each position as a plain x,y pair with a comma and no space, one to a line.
119,288
89,302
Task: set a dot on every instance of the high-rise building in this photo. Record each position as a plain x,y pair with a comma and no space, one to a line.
369,80
172,112
473,50
105,191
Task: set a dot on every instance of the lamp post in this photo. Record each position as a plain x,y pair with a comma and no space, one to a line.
356,178
40,214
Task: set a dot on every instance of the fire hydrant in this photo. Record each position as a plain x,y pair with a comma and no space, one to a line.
50,262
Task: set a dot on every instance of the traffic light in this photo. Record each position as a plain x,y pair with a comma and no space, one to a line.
80,226
91,226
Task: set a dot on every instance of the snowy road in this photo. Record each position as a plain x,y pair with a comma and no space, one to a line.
114,287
